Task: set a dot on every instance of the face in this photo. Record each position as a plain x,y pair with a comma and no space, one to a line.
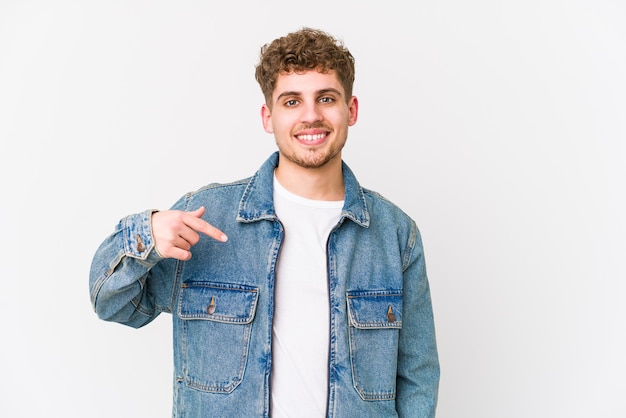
309,118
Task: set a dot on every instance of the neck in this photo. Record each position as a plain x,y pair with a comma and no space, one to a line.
321,183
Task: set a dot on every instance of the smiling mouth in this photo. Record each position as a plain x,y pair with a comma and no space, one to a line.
311,138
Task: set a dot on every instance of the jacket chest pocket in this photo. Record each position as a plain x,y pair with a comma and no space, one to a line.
375,320
216,326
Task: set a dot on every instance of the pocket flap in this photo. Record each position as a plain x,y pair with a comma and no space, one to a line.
221,302
375,309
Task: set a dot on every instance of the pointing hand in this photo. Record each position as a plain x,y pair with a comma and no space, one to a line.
176,231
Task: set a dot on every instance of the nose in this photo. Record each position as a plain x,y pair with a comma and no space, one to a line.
310,113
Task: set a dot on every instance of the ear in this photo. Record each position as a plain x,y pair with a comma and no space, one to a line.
266,118
353,109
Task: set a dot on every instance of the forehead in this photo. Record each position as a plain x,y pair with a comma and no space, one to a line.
310,81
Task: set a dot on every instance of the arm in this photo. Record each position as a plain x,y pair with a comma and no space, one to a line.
132,273
418,363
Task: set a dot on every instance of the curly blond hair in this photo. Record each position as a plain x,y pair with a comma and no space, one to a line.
303,50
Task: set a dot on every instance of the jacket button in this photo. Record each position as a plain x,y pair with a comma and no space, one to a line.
140,245
211,309
391,317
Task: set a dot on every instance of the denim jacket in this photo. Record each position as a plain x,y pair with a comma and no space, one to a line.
383,358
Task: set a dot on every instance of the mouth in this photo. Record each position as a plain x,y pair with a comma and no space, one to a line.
312,137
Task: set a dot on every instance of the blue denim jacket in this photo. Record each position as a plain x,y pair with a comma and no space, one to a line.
383,358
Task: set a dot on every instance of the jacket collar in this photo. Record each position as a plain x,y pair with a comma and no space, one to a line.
257,202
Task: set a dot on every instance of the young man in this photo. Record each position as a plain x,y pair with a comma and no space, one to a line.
295,292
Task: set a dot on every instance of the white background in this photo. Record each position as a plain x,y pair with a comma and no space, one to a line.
498,126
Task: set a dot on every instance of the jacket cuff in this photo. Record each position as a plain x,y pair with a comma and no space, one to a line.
138,240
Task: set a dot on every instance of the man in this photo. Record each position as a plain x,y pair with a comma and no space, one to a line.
295,292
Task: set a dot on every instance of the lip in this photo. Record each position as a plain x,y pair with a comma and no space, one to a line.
312,136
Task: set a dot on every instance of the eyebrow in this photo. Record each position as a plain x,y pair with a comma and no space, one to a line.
318,93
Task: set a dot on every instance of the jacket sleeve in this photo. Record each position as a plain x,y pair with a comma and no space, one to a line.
418,363
129,282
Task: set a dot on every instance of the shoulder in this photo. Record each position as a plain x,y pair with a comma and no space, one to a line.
389,220
380,206
213,195
217,188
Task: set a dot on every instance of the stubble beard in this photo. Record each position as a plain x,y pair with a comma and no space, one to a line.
314,158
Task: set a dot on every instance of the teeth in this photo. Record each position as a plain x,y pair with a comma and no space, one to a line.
311,137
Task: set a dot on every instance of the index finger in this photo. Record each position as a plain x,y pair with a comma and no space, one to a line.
200,225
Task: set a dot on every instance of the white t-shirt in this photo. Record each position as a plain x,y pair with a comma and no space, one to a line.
301,328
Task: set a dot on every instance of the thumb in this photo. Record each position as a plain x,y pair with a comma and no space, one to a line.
198,212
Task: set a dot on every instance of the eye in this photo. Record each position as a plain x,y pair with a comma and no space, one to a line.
326,99
291,103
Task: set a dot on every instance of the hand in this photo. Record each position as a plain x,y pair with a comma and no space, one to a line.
176,231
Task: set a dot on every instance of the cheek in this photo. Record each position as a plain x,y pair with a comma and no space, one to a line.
280,127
